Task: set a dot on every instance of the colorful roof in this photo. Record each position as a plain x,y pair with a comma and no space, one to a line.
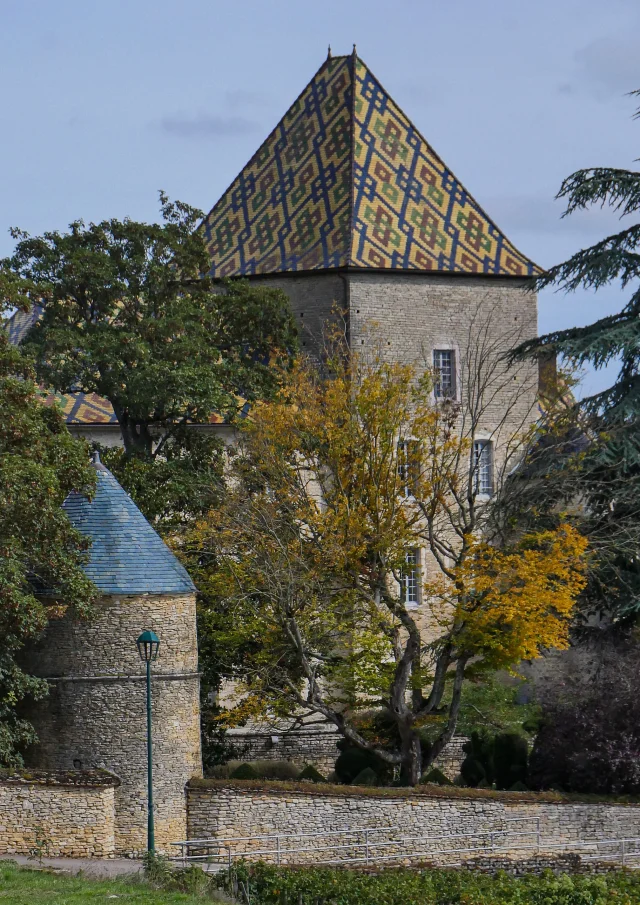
346,180
126,555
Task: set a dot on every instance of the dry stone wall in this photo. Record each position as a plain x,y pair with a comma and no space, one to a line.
58,814
222,811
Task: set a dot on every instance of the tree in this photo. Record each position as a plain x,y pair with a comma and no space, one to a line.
305,567
130,313
589,740
40,463
608,473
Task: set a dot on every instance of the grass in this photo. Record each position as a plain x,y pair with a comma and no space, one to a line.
427,790
24,886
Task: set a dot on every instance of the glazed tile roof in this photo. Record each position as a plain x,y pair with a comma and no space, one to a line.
346,180
126,556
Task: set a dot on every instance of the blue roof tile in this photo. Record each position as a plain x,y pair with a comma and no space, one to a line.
127,556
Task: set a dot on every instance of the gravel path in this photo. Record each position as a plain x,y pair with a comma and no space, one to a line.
92,867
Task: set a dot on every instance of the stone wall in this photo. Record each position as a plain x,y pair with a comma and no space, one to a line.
318,747
299,746
71,814
95,715
220,810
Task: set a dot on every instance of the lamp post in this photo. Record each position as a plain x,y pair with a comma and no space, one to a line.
148,644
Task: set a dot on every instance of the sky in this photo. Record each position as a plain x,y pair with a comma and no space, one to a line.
104,104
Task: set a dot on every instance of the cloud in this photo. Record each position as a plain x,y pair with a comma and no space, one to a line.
610,65
207,125
537,214
240,97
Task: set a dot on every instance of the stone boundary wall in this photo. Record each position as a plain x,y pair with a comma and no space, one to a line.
218,809
318,747
71,813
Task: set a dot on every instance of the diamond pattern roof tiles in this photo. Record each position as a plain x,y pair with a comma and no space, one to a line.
127,556
346,180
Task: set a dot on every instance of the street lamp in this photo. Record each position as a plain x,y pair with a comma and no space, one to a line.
148,644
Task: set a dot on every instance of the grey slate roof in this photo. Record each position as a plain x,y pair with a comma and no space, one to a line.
126,556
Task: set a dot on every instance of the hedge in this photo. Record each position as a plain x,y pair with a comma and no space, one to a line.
265,885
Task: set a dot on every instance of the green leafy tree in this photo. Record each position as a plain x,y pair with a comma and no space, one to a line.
130,313
40,463
595,456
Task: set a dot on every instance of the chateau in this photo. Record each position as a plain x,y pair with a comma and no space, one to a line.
344,206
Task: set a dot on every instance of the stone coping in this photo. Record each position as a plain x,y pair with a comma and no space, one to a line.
62,779
428,790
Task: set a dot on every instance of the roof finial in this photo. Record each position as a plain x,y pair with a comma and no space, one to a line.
329,52
355,52
95,461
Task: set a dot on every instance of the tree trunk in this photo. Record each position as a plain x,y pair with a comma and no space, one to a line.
411,755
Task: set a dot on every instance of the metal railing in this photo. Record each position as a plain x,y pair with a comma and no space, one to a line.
375,845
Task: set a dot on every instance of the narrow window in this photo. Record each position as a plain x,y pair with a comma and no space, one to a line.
444,368
408,466
483,467
409,589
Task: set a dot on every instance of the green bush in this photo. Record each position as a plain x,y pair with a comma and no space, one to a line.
510,759
267,885
366,777
436,776
244,771
310,774
501,760
264,769
352,761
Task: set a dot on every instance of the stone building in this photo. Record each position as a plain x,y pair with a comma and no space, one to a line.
95,715
345,206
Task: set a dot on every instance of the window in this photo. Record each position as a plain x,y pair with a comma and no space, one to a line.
444,367
483,467
409,589
408,466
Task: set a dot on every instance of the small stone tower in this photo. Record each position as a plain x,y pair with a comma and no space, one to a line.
95,715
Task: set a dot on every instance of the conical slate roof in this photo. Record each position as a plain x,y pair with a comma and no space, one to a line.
346,180
127,556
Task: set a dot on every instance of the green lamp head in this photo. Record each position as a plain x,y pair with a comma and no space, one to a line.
148,644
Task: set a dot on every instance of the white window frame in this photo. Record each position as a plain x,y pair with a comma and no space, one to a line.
455,381
483,483
410,580
406,467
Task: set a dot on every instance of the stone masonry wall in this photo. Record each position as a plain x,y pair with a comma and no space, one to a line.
318,747
217,810
95,715
71,818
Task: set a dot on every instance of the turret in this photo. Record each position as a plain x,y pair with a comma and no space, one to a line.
95,713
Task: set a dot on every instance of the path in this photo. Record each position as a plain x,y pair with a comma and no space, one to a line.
91,867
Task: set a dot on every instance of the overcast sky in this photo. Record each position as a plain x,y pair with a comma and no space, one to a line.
105,103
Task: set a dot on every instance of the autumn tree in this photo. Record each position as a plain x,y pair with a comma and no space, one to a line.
129,312
344,485
40,463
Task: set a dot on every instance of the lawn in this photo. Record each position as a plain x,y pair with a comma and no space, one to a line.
21,886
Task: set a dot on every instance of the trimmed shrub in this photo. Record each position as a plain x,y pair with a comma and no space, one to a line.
264,769
510,759
244,771
310,774
366,777
436,776
353,760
